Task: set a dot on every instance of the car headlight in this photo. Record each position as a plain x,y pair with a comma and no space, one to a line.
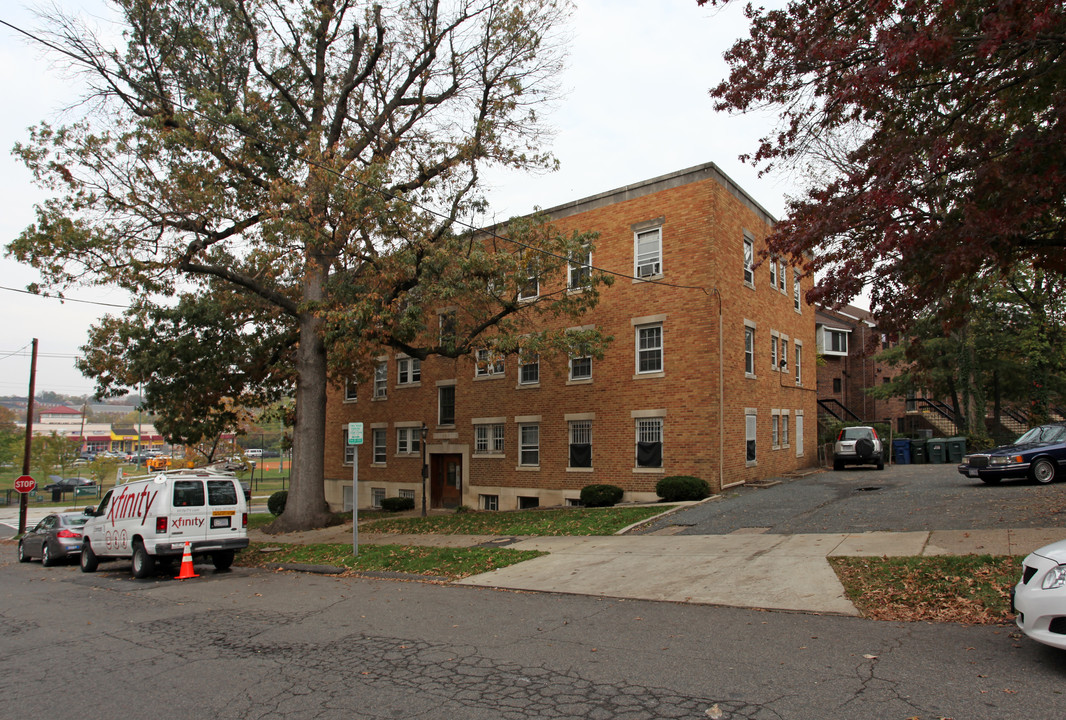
1055,578
1005,459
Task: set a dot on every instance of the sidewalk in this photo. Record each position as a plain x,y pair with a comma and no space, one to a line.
774,572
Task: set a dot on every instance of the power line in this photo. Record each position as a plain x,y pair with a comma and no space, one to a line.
62,299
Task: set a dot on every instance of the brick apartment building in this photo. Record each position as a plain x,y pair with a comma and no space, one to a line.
716,379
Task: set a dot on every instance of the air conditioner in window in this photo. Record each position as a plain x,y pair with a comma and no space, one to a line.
647,270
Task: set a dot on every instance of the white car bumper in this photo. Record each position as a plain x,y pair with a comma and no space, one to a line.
1041,614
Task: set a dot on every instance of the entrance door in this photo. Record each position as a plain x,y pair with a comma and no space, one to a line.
445,480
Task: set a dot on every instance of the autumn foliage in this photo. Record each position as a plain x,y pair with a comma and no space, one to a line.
930,133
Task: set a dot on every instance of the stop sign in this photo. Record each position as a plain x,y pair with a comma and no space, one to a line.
25,484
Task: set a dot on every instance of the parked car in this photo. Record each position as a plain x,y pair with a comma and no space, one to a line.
1038,454
858,445
55,538
67,484
1039,599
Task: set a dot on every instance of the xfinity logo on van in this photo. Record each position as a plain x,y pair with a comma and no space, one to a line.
184,522
131,505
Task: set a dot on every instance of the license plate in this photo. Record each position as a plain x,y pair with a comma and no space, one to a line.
220,522
973,473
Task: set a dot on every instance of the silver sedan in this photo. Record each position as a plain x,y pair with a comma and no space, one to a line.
56,538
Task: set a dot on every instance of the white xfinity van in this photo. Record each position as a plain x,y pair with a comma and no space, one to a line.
150,518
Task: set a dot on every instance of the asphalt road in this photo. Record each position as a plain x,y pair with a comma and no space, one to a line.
899,498
254,644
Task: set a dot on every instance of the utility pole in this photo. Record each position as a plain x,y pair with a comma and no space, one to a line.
23,500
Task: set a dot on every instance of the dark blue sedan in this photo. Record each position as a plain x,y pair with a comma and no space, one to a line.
1038,455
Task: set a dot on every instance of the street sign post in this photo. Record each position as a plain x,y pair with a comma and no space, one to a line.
25,484
355,439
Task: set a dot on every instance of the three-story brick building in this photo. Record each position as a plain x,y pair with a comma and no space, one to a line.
711,372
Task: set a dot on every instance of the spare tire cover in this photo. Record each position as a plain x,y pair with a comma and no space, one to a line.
864,447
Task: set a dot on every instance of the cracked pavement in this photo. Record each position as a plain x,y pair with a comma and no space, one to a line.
254,644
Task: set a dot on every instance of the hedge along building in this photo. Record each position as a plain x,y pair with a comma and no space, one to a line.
711,372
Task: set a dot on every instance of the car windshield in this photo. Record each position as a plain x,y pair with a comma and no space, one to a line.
1043,434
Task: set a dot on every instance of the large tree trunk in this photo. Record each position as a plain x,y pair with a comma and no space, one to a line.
306,506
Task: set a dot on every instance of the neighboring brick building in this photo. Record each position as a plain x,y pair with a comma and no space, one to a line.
520,434
848,342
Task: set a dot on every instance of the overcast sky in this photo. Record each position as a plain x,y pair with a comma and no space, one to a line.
636,107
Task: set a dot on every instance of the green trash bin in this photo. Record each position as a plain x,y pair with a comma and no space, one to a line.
956,449
936,449
918,451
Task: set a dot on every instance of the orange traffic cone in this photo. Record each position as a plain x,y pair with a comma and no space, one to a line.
186,564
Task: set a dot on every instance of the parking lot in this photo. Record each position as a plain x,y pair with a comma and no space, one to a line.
900,498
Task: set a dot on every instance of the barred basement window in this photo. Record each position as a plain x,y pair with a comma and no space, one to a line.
580,443
650,443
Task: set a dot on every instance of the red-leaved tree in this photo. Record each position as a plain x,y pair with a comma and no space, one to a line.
934,135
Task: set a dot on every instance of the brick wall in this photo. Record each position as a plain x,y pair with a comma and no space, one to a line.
704,218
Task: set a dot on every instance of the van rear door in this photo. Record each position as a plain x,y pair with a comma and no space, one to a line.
227,510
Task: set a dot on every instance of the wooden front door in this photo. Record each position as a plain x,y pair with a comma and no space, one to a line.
445,480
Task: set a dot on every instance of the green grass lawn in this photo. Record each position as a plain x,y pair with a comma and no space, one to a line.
451,563
564,521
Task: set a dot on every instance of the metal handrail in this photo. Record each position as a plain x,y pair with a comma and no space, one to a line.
826,405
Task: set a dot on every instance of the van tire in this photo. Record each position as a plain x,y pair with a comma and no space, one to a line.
222,559
89,561
143,563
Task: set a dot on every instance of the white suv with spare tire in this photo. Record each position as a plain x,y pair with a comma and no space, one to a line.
858,445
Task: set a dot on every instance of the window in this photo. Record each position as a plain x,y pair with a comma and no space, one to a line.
349,450
773,351
783,366
782,278
799,363
376,496
187,493
406,494
580,268
528,503
529,287
750,428
529,369
408,371
581,368
835,341
221,492
381,380
446,405
836,385
580,443
380,455
529,445
408,440
488,363
749,350
490,502
773,272
796,291
488,439
351,390
775,429
648,253
650,348
749,260
784,430
650,442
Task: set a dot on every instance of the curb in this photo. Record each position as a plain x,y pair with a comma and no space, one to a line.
338,570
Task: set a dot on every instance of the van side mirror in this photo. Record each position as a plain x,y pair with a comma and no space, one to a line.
90,511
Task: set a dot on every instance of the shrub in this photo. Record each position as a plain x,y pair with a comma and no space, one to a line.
682,487
276,502
397,504
600,495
